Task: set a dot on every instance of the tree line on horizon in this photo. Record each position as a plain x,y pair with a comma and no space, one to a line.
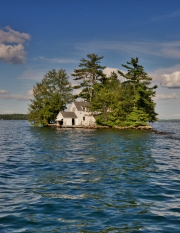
112,102
13,116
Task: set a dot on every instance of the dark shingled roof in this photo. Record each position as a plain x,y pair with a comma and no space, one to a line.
80,105
69,114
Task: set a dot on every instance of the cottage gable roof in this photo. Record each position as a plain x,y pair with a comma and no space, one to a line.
68,114
81,105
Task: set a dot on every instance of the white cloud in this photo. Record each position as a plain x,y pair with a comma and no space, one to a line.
166,49
57,60
165,97
6,95
109,70
11,36
14,54
168,77
11,48
4,92
171,80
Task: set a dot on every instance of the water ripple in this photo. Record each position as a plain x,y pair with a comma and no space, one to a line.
76,180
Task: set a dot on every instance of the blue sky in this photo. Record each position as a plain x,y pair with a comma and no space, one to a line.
37,36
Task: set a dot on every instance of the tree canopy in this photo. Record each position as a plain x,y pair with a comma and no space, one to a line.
128,103
89,73
142,93
112,102
51,95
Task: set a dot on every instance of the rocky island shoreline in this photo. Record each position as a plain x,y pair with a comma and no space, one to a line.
147,127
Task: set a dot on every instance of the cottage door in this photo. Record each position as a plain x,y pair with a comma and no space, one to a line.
73,121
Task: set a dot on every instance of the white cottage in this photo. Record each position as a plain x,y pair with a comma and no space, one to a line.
78,115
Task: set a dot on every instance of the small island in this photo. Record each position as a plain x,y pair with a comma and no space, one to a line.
100,101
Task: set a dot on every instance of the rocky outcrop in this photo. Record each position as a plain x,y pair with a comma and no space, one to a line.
96,127
147,127
158,132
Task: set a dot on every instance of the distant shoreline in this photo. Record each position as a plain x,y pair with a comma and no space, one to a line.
168,120
14,116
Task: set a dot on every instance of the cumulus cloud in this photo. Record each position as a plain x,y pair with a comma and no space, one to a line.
109,70
14,54
6,95
11,36
11,46
165,97
171,80
168,77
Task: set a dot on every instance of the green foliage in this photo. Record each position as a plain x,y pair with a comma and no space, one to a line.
125,104
105,96
138,117
50,96
142,93
113,103
89,73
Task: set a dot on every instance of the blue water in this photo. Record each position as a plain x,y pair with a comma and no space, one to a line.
81,180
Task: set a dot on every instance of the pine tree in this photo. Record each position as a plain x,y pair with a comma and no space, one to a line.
107,102
89,73
142,94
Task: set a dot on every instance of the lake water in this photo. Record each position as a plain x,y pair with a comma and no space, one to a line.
77,180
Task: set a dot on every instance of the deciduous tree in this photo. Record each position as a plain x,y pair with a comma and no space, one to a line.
51,95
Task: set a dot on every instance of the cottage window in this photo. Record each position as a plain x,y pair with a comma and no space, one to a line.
83,118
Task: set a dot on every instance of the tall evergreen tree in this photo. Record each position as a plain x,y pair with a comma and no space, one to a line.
142,93
89,73
50,96
108,101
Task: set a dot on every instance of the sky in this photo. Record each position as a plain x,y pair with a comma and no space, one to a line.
38,36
